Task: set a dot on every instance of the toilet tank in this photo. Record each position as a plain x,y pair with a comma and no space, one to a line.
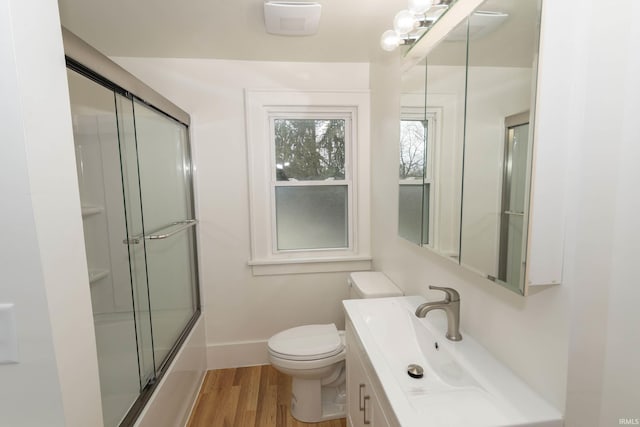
371,284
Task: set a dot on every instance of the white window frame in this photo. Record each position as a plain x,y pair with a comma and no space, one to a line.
262,108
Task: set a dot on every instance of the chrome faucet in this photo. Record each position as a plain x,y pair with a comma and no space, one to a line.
451,306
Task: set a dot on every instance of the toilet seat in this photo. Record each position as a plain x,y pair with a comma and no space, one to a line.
309,342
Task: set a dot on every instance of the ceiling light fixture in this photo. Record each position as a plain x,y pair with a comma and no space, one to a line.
411,23
291,18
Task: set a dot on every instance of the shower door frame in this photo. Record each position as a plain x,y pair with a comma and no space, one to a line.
87,61
510,124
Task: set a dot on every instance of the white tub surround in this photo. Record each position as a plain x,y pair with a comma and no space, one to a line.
175,396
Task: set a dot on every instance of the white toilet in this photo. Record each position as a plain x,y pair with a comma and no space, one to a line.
314,356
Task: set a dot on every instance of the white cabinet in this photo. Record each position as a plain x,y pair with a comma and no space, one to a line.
367,404
360,395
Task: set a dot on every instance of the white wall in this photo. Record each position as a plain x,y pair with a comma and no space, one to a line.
21,279
602,109
242,311
43,265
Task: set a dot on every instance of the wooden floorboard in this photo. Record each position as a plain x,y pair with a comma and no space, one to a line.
256,396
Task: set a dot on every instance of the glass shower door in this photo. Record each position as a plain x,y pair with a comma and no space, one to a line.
104,142
514,191
134,174
167,207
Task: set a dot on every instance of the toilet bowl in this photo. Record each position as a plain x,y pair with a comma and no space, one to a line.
314,356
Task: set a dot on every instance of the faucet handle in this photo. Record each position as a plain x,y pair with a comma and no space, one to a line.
451,294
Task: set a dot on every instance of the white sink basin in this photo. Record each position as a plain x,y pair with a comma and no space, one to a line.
463,385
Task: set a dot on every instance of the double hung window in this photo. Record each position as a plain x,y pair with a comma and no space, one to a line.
311,181
308,158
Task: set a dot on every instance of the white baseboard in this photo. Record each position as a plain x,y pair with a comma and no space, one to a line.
237,354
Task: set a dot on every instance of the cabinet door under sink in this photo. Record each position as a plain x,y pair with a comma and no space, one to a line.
363,402
356,390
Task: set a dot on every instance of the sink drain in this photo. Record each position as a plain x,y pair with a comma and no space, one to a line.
415,371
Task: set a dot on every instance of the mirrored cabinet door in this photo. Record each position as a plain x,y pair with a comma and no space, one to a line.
432,124
501,74
467,146
446,88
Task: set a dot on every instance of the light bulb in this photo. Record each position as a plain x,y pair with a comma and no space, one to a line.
419,7
404,22
390,40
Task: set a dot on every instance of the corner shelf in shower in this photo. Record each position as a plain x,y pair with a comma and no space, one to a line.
89,210
96,274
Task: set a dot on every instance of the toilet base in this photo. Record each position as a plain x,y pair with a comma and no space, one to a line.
311,402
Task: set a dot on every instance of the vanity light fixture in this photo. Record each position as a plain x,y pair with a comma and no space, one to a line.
411,23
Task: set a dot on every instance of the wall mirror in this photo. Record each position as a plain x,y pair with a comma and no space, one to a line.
474,118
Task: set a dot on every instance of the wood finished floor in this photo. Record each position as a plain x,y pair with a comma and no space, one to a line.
256,396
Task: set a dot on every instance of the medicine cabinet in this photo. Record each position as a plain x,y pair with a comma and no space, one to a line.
468,147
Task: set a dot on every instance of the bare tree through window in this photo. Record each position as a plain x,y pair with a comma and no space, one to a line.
412,148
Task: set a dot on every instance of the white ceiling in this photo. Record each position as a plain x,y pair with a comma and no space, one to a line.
227,29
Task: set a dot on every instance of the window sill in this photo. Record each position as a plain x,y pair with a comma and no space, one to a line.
270,267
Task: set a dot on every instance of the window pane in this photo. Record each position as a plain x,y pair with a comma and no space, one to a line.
313,217
413,213
412,148
309,149
410,212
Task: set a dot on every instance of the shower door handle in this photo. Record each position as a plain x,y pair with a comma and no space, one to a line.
185,224
188,223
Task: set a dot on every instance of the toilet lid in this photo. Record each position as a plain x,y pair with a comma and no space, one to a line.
307,342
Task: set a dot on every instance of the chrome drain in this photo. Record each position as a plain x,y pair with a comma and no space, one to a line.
415,371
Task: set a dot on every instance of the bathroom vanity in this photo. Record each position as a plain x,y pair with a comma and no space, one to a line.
463,385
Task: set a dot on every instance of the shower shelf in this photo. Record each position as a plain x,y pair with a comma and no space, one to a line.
96,274
88,210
